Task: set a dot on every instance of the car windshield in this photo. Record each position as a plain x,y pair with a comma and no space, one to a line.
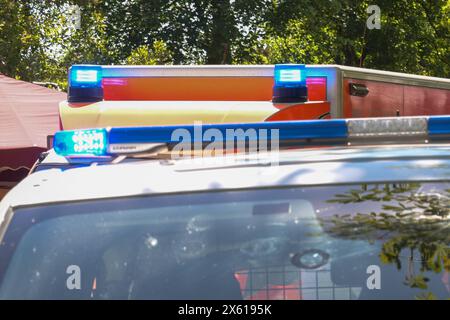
365,241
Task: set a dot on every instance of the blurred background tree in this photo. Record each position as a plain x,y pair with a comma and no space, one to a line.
144,55
38,42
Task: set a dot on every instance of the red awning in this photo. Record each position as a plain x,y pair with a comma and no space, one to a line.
28,114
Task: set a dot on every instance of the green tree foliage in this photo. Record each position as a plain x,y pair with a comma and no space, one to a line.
38,42
20,48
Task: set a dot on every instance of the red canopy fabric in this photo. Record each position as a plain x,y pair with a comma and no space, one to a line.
28,114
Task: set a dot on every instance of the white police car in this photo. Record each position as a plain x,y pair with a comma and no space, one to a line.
347,209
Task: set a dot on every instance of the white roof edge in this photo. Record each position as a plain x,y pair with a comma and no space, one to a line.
267,71
189,71
195,70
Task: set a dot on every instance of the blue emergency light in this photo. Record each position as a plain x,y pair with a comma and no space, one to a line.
85,83
103,142
290,83
81,142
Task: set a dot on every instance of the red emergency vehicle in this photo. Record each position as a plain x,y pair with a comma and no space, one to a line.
101,96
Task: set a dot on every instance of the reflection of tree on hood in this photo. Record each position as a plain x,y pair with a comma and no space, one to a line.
409,219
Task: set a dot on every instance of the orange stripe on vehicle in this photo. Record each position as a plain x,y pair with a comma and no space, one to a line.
202,88
189,88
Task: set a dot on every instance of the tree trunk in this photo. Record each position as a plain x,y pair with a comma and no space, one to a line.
219,48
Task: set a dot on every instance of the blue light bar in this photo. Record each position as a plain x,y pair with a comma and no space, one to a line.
290,83
288,131
134,139
85,83
127,139
439,126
